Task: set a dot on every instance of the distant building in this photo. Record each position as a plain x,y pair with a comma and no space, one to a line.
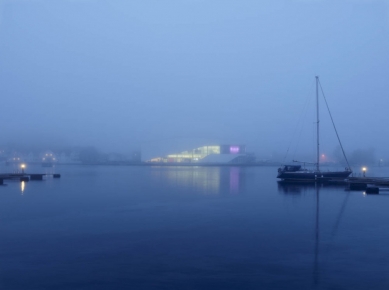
210,154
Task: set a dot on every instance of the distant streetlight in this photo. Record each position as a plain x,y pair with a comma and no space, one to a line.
23,166
364,171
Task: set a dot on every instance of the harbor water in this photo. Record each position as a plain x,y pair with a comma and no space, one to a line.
129,227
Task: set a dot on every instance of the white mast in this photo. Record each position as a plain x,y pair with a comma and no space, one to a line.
317,124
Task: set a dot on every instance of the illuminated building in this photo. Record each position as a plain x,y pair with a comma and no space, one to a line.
210,154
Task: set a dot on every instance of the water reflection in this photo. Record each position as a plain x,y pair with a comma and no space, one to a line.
295,188
22,186
299,188
317,232
234,179
49,170
207,180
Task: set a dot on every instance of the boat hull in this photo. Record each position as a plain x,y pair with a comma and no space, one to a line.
313,175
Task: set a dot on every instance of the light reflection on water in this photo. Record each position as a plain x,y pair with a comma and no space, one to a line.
101,227
22,186
206,180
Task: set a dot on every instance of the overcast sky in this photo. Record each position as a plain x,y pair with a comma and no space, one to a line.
177,74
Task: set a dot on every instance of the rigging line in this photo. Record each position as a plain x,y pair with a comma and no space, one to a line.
338,219
295,129
336,226
313,149
304,113
333,123
301,130
314,141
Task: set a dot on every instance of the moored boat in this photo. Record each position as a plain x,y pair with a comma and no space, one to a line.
297,173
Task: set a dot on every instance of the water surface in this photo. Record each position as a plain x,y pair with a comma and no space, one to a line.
108,227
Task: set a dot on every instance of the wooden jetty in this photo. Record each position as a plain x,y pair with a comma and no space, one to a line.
378,181
25,176
370,185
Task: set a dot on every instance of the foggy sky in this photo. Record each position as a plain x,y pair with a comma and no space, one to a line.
179,74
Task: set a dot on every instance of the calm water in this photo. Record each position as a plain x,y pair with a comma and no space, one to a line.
101,227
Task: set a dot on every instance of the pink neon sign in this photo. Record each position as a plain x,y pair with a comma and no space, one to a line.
234,149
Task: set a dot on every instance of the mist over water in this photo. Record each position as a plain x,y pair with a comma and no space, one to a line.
100,227
120,82
168,77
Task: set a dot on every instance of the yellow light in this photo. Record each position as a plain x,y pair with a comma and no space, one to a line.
22,186
363,168
23,166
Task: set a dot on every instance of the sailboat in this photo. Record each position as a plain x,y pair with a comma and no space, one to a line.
297,173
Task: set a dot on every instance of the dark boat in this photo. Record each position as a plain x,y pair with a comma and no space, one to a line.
296,173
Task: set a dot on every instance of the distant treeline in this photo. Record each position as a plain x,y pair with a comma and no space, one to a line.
76,154
357,157
360,157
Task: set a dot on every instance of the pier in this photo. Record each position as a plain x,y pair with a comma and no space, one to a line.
26,176
369,185
378,181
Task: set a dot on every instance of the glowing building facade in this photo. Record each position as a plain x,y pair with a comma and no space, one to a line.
209,154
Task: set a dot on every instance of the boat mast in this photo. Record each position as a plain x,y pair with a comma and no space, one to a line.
317,124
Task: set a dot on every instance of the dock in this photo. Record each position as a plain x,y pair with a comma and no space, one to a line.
378,181
369,185
25,176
